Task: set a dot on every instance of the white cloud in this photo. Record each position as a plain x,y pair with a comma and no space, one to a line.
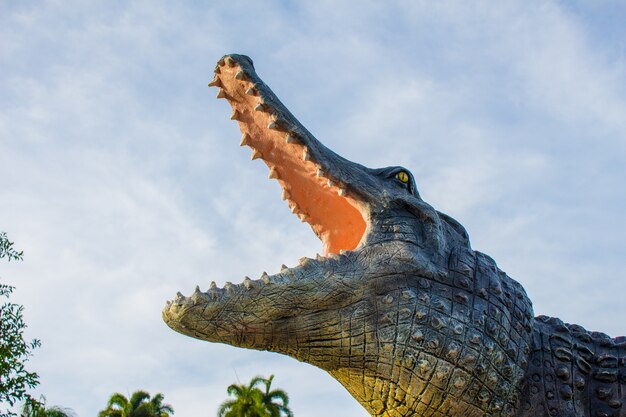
123,181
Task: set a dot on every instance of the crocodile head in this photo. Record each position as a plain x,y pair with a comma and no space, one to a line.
398,308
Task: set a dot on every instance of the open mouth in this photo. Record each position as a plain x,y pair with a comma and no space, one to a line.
317,197
316,190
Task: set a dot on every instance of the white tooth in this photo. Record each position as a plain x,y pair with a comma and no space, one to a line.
319,257
255,154
259,107
215,82
273,174
235,115
343,252
250,91
229,61
247,282
284,195
305,154
245,139
213,285
221,93
304,261
333,256
273,125
197,294
294,209
303,217
265,278
229,287
283,267
342,192
240,75
331,183
320,173
290,139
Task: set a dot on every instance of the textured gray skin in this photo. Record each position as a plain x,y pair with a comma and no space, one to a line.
413,322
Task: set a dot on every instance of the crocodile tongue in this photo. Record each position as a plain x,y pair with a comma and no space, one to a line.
314,184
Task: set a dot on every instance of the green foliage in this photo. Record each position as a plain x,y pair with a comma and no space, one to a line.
250,401
37,408
14,350
6,249
138,405
270,398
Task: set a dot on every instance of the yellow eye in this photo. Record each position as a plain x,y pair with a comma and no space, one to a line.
403,176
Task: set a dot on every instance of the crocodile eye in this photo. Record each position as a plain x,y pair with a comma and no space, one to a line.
403,177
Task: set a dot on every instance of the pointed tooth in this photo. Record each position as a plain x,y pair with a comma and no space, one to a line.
304,261
229,287
343,252
283,267
179,296
320,173
240,75
229,61
273,174
215,82
294,209
273,125
265,278
213,285
333,256
303,217
290,138
251,91
248,283
259,107
221,93
245,139
198,295
221,61
319,257
331,183
342,192
284,195
305,154
255,154
168,303
235,115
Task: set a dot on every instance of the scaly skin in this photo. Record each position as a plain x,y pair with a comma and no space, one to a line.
401,310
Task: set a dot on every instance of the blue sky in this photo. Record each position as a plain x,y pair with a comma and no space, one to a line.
123,180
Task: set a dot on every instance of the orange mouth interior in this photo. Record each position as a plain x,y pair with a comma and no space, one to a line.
335,216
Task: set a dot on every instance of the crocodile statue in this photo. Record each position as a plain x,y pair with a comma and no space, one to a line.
399,308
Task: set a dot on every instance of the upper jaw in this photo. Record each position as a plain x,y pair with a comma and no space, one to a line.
323,189
259,111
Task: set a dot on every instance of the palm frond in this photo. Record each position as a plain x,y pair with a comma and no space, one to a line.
137,398
224,407
235,390
257,380
111,412
60,412
118,399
